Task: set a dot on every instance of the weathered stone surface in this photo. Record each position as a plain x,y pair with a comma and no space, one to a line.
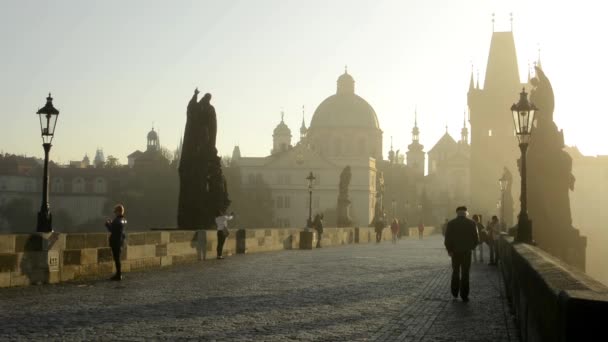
136,239
75,241
88,256
161,250
153,238
8,262
7,243
183,236
24,242
104,254
96,240
71,257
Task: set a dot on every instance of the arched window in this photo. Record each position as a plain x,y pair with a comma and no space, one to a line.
78,185
58,185
100,186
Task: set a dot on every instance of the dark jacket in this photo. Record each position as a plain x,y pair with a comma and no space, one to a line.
117,230
461,235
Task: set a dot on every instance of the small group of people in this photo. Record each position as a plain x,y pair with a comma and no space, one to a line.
116,227
463,238
489,235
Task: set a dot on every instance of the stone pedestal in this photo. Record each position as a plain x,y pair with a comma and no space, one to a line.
306,239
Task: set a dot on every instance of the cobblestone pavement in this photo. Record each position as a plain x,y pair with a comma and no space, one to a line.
369,292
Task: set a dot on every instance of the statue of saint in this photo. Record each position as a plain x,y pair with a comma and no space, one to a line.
344,219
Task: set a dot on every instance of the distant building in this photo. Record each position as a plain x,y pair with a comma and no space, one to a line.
344,130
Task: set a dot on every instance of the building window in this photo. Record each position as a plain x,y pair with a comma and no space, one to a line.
58,185
29,186
259,179
100,186
287,202
78,185
251,178
280,202
316,201
490,133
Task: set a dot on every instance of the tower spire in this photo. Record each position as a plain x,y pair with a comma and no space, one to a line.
477,79
493,22
538,62
472,81
511,19
303,129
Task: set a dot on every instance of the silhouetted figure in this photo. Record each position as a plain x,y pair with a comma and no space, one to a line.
344,219
444,226
460,239
420,230
493,230
221,223
379,227
203,188
480,238
550,173
395,230
116,227
318,225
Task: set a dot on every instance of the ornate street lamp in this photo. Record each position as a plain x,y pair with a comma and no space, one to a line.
48,119
311,178
523,118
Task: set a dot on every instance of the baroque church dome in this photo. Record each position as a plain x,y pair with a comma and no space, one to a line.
345,108
282,129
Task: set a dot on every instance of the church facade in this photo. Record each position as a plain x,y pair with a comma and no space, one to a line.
344,131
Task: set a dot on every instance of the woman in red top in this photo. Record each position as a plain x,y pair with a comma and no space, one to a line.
395,230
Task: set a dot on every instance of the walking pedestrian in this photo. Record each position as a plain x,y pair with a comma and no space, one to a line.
378,227
460,239
494,235
221,222
481,234
420,230
318,225
395,230
116,227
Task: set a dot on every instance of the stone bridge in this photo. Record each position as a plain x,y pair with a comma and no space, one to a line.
385,292
353,292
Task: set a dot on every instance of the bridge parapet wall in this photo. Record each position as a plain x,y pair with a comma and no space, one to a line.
551,300
27,259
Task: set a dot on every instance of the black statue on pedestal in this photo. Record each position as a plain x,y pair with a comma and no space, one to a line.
203,191
344,219
551,180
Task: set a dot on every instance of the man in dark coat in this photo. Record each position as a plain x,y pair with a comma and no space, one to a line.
460,238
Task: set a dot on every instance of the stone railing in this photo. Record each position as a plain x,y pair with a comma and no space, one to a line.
55,257
551,300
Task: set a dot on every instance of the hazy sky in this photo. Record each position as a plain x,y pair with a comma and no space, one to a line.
117,67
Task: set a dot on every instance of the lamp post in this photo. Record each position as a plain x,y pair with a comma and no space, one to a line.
311,178
48,119
523,119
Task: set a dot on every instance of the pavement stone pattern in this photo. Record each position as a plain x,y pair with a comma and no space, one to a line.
383,292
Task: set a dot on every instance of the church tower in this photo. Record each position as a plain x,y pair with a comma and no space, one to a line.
493,142
303,128
153,143
415,153
281,137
